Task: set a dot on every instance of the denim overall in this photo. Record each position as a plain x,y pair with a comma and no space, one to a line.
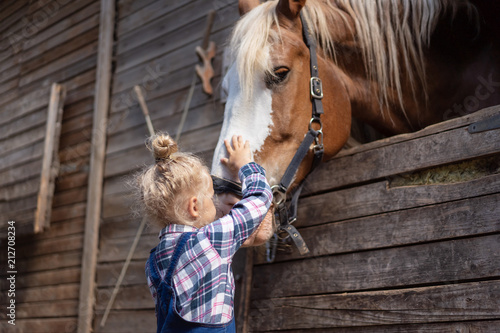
167,318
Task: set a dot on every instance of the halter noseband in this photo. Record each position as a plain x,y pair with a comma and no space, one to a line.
287,215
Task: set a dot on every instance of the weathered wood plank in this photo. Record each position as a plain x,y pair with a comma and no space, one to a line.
43,15
46,325
12,13
457,327
22,139
448,303
69,197
61,308
71,181
379,198
10,73
48,278
455,260
23,124
50,163
52,261
93,207
431,223
6,89
198,117
27,99
79,12
21,156
68,212
118,164
174,39
130,21
62,43
62,229
126,8
48,293
127,322
171,17
13,209
17,191
159,83
129,298
16,175
429,130
36,99
107,273
65,73
50,246
53,53
124,226
80,107
78,123
418,153
113,250
63,62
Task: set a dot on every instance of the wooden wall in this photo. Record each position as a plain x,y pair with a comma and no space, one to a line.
43,42
390,254
154,49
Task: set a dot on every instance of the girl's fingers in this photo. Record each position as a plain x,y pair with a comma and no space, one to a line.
224,160
235,141
228,146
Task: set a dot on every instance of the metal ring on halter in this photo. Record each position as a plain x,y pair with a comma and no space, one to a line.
278,193
318,121
318,140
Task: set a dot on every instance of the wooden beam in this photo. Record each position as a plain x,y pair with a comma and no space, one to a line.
50,164
94,194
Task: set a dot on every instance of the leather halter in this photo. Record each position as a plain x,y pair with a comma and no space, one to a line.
287,215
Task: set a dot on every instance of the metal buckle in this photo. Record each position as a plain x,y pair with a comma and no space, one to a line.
279,194
316,88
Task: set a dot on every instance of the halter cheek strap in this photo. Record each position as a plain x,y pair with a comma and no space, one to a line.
287,215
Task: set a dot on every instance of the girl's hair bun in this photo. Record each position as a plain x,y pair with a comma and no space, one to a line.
162,146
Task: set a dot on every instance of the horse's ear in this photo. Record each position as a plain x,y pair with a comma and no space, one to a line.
290,8
247,5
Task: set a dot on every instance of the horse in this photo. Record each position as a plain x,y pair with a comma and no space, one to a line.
398,66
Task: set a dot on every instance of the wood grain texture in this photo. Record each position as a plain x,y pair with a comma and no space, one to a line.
433,263
432,223
447,303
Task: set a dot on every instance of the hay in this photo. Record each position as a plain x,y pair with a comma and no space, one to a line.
450,173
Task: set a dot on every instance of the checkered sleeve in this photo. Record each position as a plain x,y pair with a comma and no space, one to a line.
228,233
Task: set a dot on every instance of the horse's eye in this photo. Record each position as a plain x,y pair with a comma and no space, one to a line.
280,74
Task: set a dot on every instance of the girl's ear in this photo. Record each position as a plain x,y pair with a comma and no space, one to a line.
193,209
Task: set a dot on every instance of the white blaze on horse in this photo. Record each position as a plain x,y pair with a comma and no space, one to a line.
396,65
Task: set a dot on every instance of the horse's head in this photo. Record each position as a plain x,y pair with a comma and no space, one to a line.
268,88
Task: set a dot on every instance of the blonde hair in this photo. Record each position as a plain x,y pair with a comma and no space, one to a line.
163,189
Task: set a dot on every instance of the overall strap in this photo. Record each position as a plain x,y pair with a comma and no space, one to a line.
177,254
153,269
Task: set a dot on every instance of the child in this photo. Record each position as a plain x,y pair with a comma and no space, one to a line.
189,272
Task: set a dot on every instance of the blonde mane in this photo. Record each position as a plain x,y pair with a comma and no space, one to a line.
391,34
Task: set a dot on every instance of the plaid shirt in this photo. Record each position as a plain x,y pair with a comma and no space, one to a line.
203,279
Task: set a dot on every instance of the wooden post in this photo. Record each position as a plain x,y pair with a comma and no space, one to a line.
96,174
50,163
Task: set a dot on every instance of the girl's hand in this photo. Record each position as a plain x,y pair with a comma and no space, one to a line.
238,155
